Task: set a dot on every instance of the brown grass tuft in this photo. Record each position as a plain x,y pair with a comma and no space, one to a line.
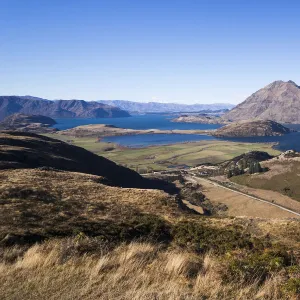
136,271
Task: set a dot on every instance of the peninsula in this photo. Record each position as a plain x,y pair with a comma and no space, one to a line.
102,130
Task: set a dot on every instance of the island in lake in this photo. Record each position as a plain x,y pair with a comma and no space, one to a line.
238,129
200,119
252,129
103,130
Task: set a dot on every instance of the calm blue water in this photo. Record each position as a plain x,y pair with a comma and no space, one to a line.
134,122
144,140
286,142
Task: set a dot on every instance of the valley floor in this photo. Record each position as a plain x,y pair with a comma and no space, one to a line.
158,158
165,157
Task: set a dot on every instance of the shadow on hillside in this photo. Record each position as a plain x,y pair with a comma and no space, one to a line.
29,150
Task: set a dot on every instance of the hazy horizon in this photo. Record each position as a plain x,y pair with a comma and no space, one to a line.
183,52
127,100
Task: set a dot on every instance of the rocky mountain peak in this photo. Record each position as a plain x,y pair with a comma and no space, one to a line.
294,83
279,101
281,84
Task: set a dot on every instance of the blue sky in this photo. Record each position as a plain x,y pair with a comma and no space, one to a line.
187,51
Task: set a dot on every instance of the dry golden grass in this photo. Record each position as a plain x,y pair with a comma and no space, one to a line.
240,205
139,271
60,186
93,245
286,232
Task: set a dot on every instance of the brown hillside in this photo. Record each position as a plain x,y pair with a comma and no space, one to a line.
37,204
29,150
278,101
28,123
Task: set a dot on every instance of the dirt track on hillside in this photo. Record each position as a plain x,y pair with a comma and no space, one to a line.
240,205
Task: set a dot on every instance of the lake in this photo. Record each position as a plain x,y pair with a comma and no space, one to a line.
144,140
286,142
135,122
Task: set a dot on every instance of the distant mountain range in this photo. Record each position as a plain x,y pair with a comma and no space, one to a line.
279,101
57,109
156,107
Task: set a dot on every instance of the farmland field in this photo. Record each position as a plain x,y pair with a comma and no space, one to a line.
163,157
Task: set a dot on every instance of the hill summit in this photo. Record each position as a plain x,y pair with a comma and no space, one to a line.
30,123
279,101
252,128
24,150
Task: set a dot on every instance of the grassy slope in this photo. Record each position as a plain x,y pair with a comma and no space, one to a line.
138,271
36,205
285,181
185,256
161,157
27,150
89,254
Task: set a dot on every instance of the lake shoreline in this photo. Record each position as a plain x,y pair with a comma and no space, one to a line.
137,132
103,130
218,140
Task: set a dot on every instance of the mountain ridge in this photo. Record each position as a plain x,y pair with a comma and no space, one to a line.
24,150
158,107
57,109
279,101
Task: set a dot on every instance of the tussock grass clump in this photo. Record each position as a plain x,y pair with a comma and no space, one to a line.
134,271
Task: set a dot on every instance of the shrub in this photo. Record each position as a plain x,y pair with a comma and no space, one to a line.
257,266
200,238
294,271
148,227
145,227
292,287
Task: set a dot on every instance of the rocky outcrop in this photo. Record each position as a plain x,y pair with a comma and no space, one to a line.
278,101
251,129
